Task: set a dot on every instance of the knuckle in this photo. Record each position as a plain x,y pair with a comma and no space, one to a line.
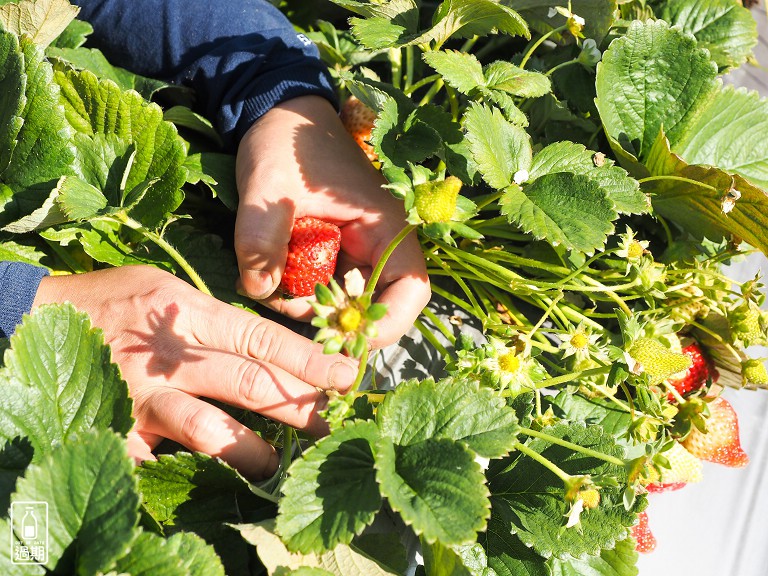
198,426
252,379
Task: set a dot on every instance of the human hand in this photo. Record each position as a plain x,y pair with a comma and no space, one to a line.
297,160
175,345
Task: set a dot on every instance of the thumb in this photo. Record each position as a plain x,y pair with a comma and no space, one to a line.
262,234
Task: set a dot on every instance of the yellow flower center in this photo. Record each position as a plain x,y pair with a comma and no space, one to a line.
509,362
349,319
635,250
579,340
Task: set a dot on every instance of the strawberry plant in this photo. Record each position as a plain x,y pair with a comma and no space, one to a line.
578,175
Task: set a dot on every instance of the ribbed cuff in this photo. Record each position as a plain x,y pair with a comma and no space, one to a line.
18,286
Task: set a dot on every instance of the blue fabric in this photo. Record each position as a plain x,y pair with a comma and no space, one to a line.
240,57
18,286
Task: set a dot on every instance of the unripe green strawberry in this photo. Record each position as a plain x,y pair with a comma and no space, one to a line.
436,201
754,372
656,360
312,253
749,325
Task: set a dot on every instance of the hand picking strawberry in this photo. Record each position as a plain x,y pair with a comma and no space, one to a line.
312,253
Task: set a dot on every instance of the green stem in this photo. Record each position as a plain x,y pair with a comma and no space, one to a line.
575,447
529,52
439,83
430,337
409,67
561,65
678,178
66,257
167,248
374,279
551,466
423,82
360,374
571,376
440,325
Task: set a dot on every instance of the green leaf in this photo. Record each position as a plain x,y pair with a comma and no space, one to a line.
79,200
562,208
731,133
452,409
529,500
576,407
12,86
197,493
701,206
74,35
599,15
440,559
99,108
506,77
41,20
461,70
331,493
59,380
97,515
621,561
343,560
566,156
182,554
499,148
184,116
217,172
653,76
467,18
436,486
400,137
507,554
724,27
94,60
13,251
41,148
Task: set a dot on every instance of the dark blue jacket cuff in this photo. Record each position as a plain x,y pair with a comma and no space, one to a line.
241,58
18,286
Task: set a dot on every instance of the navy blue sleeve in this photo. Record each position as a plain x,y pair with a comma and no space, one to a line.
18,286
240,57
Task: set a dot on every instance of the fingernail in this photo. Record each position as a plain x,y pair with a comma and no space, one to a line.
257,283
341,376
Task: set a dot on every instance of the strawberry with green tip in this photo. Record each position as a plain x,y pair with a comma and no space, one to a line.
696,375
754,373
435,202
358,119
720,443
684,468
312,253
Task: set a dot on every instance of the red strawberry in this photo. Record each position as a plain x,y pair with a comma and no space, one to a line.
312,253
358,121
696,375
720,444
645,541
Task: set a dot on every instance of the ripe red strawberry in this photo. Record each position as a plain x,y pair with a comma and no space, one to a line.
312,253
358,120
721,442
696,375
645,541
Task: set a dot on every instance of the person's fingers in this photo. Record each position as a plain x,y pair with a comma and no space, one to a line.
237,331
139,448
201,427
262,233
405,299
254,385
